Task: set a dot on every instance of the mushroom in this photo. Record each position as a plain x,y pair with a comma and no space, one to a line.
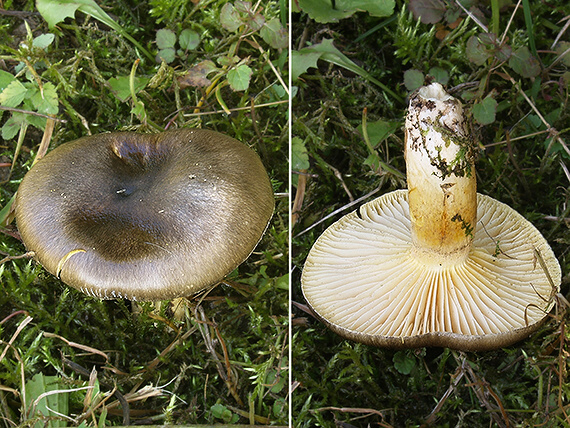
145,217
437,264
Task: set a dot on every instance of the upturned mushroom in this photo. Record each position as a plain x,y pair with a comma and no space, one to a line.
437,264
145,217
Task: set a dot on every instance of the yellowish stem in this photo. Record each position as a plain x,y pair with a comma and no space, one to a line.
441,176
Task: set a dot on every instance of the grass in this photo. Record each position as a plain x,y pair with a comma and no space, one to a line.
522,162
220,357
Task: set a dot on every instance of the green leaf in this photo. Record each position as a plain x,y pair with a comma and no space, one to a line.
230,18
277,382
299,155
228,61
189,39
45,102
535,122
238,77
323,11
476,51
504,52
12,126
139,111
299,159
275,35
5,217
440,75
403,362
566,78
523,63
254,20
220,411
484,112
197,76
279,406
55,11
413,79
13,94
43,40
328,11
37,121
330,53
168,55
5,79
165,39
282,282
373,161
560,49
277,92
302,60
428,11
483,46
49,405
378,131
121,86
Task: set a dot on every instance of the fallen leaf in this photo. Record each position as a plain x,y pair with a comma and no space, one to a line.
196,76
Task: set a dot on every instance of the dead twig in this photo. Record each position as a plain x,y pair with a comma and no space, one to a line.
483,390
455,379
555,135
224,369
365,411
299,197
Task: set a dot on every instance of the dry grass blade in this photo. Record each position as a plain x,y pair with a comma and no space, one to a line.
224,369
33,113
256,418
299,196
9,345
172,346
473,17
483,391
562,31
21,326
561,302
40,397
27,255
92,376
46,139
553,132
198,113
77,345
366,412
455,379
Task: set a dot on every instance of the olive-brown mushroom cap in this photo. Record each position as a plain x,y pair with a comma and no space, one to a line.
145,217
362,280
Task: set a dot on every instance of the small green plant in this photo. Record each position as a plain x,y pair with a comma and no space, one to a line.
25,97
412,44
221,412
55,11
166,43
